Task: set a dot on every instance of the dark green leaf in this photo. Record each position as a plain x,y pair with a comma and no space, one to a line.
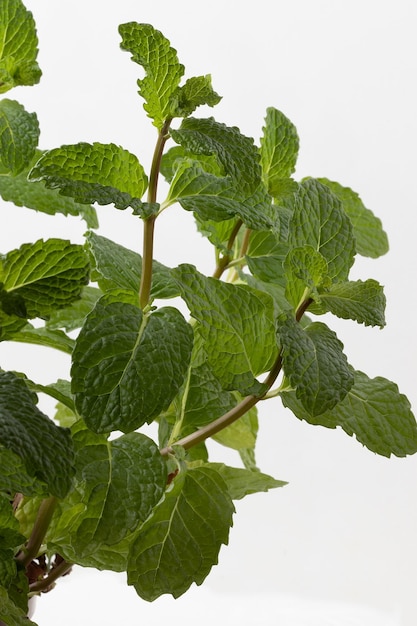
279,150
19,135
44,448
314,363
18,47
180,542
10,614
73,316
374,411
127,368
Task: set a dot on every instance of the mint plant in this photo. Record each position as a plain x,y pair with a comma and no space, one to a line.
86,486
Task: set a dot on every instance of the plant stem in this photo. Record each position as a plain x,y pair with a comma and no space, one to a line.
149,223
55,573
225,260
43,519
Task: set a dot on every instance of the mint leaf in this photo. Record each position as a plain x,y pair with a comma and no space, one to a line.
362,301
240,191
373,410
279,150
241,435
237,325
10,614
314,363
151,50
18,47
15,477
44,448
73,316
195,92
320,222
265,257
21,192
118,266
44,337
242,482
180,542
371,239
127,368
126,475
102,173
306,270
19,135
42,276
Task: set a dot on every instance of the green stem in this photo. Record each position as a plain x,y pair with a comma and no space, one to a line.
43,519
149,223
227,258
55,573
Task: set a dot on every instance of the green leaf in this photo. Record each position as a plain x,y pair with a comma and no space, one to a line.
56,339
118,266
279,150
18,47
10,325
265,257
127,368
73,316
195,92
237,325
60,390
126,475
10,614
371,239
10,540
40,277
19,135
180,542
22,193
374,411
44,448
102,173
242,482
16,478
319,221
306,269
239,192
362,301
151,50
241,435
314,363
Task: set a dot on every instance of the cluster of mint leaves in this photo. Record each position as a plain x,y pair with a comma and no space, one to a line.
72,489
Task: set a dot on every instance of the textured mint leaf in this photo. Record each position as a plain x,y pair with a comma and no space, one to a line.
18,47
362,301
242,482
195,92
371,239
44,448
320,222
11,614
102,173
314,363
180,542
306,271
73,316
265,257
240,191
60,390
40,277
56,339
116,485
10,541
19,135
127,368
279,150
36,196
16,478
150,49
237,325
173,157
118,266
10,325
373,410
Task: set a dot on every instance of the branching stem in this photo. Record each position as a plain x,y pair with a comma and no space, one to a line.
56,572
40,527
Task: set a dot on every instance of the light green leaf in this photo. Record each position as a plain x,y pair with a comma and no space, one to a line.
195,92
279,150
237,325
265,257
374,411
44,448
180,542
240,191
19,135
60,390
18,47
306,269
10,614
126,475
56,339
127,368
242,482
314,363
42,276
241,435
151,50
118,266
22,193
102,173
371,239
320,222
362,301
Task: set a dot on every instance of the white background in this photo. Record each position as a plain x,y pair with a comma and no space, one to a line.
337,546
